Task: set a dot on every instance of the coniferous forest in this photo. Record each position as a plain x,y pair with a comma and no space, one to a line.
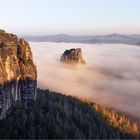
58,116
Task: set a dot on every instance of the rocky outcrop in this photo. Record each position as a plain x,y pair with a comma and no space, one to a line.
17,72
73,56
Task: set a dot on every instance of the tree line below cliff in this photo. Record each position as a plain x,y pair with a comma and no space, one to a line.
54,115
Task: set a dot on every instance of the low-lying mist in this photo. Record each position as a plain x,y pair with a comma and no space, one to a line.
111,76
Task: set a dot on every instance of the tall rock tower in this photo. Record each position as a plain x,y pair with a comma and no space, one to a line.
73,56
18,72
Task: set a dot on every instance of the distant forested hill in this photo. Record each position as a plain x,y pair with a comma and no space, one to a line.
58,116
110,38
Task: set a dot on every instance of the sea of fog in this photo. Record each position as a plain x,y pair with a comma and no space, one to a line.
111,76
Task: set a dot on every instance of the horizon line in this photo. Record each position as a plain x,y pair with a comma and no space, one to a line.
67,34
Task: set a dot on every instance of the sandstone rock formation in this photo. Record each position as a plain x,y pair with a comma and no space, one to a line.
73,56
17,72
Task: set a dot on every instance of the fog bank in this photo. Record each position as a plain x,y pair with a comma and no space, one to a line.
111,76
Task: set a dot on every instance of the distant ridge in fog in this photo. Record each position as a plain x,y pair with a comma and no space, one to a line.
110,38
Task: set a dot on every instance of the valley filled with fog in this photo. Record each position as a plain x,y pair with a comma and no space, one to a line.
111,76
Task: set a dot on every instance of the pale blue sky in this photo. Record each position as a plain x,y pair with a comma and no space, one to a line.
77,17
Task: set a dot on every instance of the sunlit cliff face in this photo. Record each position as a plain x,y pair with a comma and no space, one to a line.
110,77
17,72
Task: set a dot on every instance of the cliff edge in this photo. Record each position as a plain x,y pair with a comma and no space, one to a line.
17,72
